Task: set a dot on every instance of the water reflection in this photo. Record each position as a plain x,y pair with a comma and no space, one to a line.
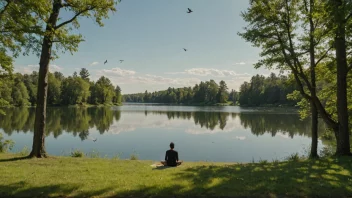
79,121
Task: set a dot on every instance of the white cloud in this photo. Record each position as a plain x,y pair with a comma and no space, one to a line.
115,129
169,81
117,72
150,80
240,137
94,63
175,73
210,72
54,68
282,135
236,82
30,68
231,126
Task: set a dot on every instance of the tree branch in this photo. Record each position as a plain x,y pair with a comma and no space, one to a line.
73,18
324,56
60,41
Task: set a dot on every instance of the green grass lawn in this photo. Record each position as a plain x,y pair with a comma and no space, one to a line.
87,177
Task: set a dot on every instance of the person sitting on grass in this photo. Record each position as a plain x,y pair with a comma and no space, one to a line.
171,157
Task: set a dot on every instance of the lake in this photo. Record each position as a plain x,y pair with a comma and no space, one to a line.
226,134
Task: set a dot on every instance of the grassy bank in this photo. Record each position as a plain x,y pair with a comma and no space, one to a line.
86,177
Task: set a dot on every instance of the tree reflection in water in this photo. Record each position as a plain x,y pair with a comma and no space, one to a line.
79,121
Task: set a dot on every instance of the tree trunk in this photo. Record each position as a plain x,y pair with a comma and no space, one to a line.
314,146
314,110
343,140
38,148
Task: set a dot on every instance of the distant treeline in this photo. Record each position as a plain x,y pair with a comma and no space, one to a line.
208,92
260,91
21,90
272,90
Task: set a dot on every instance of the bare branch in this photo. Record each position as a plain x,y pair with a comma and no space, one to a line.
73,18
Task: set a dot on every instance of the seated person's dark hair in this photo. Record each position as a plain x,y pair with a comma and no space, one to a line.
172,145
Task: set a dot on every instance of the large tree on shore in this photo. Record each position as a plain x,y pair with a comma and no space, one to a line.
296,36
340,18
59,33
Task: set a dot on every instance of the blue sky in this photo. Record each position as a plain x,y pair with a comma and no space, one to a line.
149,35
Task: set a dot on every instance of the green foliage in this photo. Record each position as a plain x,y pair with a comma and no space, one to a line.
94,154
327,151
207,92
5,92
103,91
31,82
77,153
54,90
327,135
5,145
75,90
275,162
222,94
84,74
18,22
117,99
117,156
19,94
263,162
260,91
293,157
272,90
21,90
134,156
24,152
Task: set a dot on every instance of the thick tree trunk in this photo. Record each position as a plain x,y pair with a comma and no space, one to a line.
314,146
314,110
343,140
38,148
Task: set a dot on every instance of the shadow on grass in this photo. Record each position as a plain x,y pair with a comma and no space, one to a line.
18,190
14,159
313,178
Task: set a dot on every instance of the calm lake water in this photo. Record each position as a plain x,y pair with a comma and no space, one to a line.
226,134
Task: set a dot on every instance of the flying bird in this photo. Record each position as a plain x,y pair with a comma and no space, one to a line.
105,62
185,49
121,61
189,11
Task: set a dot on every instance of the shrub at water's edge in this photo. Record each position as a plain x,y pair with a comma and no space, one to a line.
5,145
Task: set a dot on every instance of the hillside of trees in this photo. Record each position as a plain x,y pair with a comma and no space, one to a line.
260,91
21,90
